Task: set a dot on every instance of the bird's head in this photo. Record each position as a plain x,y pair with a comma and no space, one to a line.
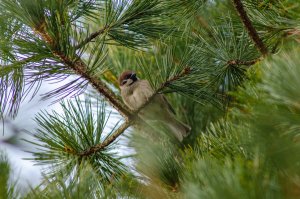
127,78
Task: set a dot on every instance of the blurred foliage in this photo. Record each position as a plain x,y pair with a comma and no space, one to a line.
7,188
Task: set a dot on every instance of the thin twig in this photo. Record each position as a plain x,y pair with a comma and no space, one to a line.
108,141
245,63
91,37
20,62
184,72
250,28
294,32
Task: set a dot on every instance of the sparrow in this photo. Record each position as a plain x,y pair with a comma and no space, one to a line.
136,92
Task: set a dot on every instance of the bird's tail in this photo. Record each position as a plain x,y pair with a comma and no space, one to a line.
179,129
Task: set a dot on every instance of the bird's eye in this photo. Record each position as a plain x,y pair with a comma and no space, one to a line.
124,82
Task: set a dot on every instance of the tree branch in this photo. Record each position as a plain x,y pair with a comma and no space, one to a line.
108,141
91,37
245,63
250,28
184,72
81,69
20,62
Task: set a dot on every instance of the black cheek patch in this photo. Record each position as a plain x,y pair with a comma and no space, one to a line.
124,82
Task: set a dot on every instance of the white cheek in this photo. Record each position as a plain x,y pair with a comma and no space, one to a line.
129,81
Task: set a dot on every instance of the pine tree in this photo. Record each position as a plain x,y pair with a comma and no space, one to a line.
230,69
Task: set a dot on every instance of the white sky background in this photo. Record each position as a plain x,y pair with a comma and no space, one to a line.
24,171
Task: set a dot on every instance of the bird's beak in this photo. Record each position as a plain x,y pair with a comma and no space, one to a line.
133,77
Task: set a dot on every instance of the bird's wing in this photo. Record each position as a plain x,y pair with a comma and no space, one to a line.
171,109
148,91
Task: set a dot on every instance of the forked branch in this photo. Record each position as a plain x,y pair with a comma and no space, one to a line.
133,120
131,117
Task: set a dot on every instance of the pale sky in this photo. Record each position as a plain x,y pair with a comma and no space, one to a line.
24,171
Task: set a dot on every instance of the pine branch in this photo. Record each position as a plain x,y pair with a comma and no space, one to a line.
183,73
135,119
108,141
250,28
245,63
81,69
20,62
91,37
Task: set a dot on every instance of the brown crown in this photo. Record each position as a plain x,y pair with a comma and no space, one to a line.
124,74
